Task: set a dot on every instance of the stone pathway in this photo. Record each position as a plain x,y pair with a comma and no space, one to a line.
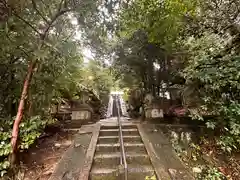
76,162
70,164
168,165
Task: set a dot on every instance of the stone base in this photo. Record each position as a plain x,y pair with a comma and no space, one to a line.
153,113
81,115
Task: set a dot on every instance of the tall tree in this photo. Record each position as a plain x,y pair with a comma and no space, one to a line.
36,33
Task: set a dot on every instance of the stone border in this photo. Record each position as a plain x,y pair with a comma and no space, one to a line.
67,166
166,163
85,170
160,170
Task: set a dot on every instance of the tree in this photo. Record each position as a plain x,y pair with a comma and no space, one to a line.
41,62
40,35
98,78
216,78
162,21
36,37
200,43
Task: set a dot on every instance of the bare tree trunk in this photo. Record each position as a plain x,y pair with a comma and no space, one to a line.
20,111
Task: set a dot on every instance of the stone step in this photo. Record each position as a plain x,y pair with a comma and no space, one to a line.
104,174
108,132
113,159
115,139
114,132
130,132
124,126
134,173
140,172
129,147
106,159
137,158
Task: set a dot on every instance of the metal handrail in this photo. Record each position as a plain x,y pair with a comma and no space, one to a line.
123,160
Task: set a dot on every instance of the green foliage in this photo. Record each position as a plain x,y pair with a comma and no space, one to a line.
161,20
150,177
192,155
229,143
217,78
150,33
98,78
4,165
201,40
134,62
210,173
43,32
30,130
5,147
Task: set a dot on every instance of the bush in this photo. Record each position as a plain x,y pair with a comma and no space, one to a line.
30,130
215,76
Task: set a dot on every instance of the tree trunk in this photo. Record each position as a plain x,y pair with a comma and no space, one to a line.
20,111
158,90
30,104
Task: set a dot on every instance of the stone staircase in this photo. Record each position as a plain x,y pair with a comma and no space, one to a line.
106,163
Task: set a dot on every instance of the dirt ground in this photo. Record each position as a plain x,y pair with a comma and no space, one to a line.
227,164
39,162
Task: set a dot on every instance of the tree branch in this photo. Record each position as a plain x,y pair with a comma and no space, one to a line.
26,22
60,6
21,49
46,6
71,35
57,15
40,14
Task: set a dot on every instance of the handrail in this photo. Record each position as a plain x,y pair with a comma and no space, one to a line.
123,160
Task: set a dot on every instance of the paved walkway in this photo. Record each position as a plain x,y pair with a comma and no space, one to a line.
164,159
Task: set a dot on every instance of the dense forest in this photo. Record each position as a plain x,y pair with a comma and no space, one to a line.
157,45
